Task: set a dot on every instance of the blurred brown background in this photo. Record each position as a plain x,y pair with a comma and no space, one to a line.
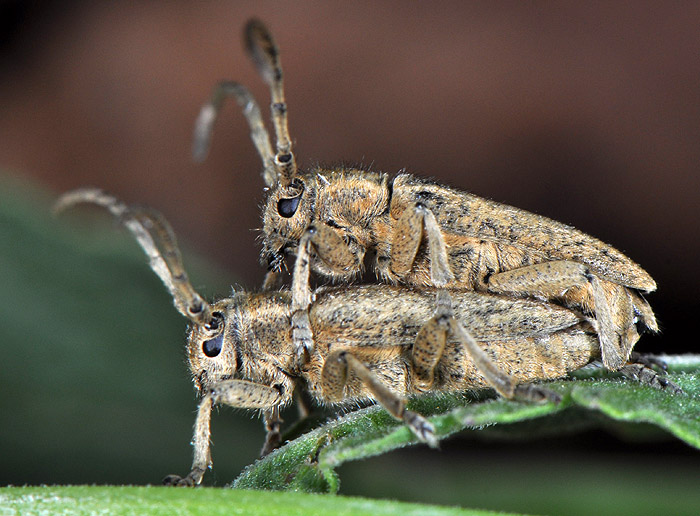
588,114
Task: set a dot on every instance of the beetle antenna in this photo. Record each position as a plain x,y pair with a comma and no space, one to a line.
264,53
157,239
204,126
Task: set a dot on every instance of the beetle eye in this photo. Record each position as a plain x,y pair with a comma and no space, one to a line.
212,347
288,207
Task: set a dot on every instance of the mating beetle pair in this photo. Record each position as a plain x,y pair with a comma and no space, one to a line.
472,293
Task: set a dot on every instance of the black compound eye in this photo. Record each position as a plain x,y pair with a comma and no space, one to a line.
288,207
212,347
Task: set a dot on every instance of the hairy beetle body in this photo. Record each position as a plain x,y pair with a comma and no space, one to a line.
377,343
482,239
530,340
422,233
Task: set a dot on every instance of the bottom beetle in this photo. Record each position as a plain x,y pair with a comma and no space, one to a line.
377,343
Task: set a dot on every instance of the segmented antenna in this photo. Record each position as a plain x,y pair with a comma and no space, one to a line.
203,127
156,238
264,53
280,167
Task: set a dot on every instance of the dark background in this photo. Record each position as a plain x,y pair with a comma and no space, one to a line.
588,114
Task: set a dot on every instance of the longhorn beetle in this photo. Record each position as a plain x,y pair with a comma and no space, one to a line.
372,342
420,232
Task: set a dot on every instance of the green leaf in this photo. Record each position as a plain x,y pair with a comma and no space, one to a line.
166,501
308,463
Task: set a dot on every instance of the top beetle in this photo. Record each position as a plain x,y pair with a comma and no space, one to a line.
330,218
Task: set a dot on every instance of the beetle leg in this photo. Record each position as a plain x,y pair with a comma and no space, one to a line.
647,376
614,306
546,279
430,344
302,297
647,360
333,250
640,367
236,393
502,382
615,316
201,442
245,394
408,235
430,341
273,424
334,377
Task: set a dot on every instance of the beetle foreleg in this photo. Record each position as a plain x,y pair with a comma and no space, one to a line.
302,298
236,393
201,442
331,249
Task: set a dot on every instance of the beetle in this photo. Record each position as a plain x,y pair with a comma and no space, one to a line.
419,232
377,342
